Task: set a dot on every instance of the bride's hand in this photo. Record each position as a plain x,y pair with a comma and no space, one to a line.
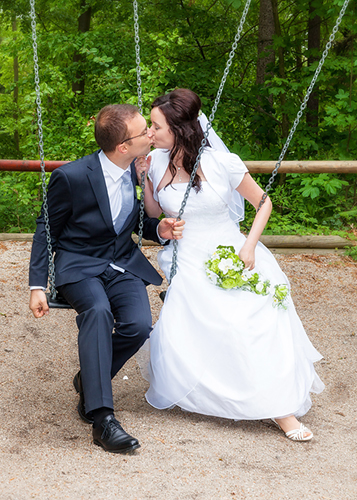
247,255
142,164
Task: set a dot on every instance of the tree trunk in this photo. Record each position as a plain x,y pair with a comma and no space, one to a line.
78,59
16,93
313,45
284,120
351,93
266,53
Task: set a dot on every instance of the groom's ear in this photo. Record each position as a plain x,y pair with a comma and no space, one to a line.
122,148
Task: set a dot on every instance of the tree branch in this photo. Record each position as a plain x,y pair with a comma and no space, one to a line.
244,71
260,110
194,37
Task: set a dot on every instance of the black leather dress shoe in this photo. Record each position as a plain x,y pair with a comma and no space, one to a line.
111,436
87,417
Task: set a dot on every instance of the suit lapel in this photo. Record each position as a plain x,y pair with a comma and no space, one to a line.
134,179
97,181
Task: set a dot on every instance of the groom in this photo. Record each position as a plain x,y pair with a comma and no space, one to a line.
93,210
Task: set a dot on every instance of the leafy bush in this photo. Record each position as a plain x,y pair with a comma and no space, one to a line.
20,201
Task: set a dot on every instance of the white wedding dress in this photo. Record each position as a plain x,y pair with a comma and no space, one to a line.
227,353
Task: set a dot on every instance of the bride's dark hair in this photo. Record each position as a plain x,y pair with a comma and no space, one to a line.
180,108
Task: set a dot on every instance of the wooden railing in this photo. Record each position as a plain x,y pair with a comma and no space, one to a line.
303,167
319,244
254,167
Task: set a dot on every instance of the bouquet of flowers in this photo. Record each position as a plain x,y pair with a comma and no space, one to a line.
226,270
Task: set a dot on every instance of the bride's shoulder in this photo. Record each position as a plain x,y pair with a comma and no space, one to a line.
159,161
221,157
225,161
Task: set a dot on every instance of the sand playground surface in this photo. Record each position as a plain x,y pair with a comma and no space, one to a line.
47,451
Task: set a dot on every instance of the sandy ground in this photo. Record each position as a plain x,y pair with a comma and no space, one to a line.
47,451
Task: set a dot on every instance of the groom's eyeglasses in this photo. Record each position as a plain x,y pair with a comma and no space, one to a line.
135,136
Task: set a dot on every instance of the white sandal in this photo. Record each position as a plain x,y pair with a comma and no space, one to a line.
297,434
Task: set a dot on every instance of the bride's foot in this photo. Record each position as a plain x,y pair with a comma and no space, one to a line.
293,429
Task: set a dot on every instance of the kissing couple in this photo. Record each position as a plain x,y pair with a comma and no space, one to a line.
221,352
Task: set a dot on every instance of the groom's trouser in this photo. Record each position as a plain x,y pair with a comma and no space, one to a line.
113,300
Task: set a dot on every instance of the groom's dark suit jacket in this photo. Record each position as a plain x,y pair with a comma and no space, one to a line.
82,231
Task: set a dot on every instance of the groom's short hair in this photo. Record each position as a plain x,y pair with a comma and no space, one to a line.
111,125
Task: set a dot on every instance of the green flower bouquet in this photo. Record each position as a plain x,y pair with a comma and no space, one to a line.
226,270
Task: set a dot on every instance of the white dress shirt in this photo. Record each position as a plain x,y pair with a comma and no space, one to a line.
113,180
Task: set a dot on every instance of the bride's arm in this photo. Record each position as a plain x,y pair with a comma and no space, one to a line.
252,192
152,208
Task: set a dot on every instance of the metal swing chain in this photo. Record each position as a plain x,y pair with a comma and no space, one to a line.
51,266
303,104
173,269
140,106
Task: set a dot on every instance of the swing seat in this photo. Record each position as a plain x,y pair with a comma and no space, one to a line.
58,302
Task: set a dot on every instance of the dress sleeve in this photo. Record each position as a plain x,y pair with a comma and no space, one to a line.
152,176
159,162
151,169
236,170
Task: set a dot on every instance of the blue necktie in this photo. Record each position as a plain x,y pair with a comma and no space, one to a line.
127,196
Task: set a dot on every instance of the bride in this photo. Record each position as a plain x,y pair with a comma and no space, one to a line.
226,353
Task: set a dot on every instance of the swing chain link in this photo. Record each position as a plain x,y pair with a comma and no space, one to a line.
137,53
303,104
140,106
51,266
141,211
173,269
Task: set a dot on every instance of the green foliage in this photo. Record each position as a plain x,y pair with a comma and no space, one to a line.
298,209
20,201
314,185
183,44
351,252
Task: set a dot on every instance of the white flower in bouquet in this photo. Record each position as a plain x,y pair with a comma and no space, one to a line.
247,273
225,265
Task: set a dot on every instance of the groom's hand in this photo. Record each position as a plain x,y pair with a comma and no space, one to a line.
171,229
38,303
142,164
